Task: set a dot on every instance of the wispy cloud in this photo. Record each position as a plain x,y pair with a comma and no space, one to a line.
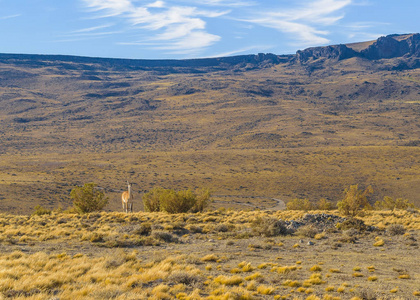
90,29
227,3
177,28
305,21
10,16
110,7
245,50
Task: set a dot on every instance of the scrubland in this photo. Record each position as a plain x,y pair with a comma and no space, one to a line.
220,254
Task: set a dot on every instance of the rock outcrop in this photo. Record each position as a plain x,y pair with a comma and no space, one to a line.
390,47
386,47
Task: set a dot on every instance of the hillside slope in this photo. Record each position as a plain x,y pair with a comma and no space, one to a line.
304,125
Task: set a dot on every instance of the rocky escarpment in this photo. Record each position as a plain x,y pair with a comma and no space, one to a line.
336,52
391,46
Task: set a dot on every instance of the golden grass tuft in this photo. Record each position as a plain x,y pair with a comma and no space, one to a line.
334,271
226,280
210,257
315,268
253,276
285,269
379,242
314,279
291,283
265,290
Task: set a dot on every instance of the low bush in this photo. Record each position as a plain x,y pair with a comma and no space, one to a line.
164,236
307,231
184,278
39,211
143,229
88,199
305,205
171,201
269,227
300,204
390,204
395,229
353,224
354,201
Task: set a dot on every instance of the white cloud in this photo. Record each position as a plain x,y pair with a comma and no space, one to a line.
112,7
231,3
304,21
175,27
157,4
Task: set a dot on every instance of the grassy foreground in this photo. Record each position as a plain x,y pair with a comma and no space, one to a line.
213,255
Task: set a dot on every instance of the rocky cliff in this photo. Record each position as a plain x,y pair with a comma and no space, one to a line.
386,47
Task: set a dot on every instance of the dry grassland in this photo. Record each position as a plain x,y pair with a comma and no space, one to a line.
212,255
251,178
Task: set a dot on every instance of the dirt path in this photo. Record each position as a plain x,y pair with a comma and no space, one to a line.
280,204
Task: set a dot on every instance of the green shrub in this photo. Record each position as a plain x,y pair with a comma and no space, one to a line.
87,199
354,200
173,202
324,204
300,204
39,211
390,204
305,205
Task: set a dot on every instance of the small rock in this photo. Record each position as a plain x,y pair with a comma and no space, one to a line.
310,243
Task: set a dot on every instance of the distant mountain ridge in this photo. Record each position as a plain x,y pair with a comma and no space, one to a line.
386,47
120,64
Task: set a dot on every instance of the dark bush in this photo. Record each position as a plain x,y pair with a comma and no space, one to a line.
164,236
143,229
184,278
396,229
269,227
353,223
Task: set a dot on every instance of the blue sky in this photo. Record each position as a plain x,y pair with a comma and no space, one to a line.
159,29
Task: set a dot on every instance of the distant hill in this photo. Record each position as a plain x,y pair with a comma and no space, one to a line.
392,46
275,126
